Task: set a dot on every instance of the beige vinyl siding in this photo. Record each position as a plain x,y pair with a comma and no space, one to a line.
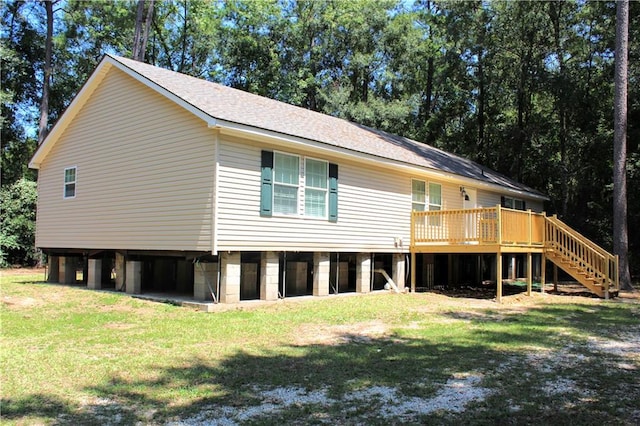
145,172
488,199
374,208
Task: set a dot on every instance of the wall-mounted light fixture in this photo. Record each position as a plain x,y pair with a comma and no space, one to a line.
464,194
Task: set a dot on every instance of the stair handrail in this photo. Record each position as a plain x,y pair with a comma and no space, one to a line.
578,236
609,271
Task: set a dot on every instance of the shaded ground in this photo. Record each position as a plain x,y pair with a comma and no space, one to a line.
429,358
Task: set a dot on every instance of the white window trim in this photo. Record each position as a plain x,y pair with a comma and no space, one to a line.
65,183
302,186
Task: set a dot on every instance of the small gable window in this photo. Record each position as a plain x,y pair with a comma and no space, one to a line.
70,180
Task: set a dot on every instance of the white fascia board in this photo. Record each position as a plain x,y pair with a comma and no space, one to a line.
284,140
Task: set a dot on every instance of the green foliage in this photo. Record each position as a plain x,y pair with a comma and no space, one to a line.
524,88
17,223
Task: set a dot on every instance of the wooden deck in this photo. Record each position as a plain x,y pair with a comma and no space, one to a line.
482,230
500,230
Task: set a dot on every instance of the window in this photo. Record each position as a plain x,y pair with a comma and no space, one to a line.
315,193
435,196
70,176
421,200
418,195
513,203
286,172
288,190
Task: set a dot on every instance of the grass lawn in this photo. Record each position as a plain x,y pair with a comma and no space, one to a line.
74,356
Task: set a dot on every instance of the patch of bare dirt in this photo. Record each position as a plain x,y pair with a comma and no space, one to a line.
363,332
118,326
14,302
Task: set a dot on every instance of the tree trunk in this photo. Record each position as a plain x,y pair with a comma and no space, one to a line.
46,83
620,231
141,34
555,13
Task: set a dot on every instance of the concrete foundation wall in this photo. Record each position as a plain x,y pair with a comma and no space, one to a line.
230,277
270,275
205,274
67,270
321,267
134,277
238,280
363,273
94,280
399,270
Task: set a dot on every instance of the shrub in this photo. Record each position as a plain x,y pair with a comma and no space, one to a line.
18,223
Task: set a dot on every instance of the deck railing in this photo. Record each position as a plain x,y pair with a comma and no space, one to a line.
493,225
508,227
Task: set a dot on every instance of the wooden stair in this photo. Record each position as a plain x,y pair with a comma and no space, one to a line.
589,264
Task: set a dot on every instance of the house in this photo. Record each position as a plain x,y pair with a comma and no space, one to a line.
182,185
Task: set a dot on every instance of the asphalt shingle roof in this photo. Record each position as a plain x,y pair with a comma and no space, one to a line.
233,105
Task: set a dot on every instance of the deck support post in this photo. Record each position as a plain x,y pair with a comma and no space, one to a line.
363,273
54,269
398,271
321,267
94,279
543,271
230,268
269,274
529,273
412,267
499,277
513,267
